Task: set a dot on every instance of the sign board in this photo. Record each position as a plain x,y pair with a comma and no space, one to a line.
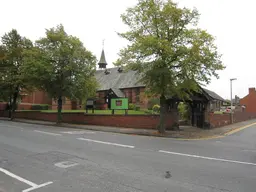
119,104
89,102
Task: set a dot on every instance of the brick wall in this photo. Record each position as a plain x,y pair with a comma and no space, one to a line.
128,121
219,120
41,97
21,106
36,97
3,106
143,99
66,105
101,101
27,98
24,106
243,116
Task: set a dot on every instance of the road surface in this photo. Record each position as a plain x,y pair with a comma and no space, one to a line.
45,159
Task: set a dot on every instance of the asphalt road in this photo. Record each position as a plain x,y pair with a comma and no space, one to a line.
46,159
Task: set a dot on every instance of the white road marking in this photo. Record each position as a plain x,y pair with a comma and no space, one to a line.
18,177
37,187
65,164
78,132
207,158
48,133
33,185
248,150
107,143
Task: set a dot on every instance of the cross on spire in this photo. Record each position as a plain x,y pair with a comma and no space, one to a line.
103,43
102,63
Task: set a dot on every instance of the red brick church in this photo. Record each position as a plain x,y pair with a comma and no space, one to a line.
113,83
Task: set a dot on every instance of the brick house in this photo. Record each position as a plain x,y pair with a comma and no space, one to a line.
249,101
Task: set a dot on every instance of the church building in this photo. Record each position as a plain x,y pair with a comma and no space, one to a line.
116,83
113,83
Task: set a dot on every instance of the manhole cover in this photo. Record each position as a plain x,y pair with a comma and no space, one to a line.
66,164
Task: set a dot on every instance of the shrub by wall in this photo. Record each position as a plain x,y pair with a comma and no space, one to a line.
39,107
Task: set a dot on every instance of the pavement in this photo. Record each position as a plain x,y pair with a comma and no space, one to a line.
42,158
185,132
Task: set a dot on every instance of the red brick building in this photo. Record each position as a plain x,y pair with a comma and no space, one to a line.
113,83
249,101
36,97
116,83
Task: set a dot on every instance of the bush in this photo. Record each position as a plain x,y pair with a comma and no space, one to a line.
183,111
137,108
148,112
156,108
152,102
218,112
132,106
40,107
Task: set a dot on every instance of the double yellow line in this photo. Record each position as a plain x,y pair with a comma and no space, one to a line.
235,130
238,129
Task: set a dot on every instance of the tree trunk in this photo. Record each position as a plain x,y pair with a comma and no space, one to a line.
59,110
14,102
10,107
161,125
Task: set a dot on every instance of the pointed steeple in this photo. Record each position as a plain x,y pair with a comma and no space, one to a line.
102,63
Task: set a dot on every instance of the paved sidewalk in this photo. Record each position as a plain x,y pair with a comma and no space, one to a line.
185,132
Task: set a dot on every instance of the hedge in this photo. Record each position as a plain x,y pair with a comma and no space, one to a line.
40,107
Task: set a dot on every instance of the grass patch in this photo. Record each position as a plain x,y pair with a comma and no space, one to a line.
99,112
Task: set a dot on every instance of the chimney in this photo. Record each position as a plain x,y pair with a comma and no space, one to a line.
252,90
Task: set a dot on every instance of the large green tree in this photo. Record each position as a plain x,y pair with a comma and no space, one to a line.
62,66
12,60
168,50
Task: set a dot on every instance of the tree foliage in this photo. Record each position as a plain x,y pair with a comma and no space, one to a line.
12,61
184,110
167,49
62,66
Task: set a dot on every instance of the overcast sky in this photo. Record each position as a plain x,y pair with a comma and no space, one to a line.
232,22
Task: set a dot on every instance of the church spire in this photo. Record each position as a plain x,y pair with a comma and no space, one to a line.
102,63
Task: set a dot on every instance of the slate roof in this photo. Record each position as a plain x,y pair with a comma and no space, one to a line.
118,92
213,95
116,79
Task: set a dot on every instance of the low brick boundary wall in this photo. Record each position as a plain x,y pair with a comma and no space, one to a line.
127,121
220,120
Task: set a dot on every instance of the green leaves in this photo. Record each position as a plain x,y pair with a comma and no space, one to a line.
61,65
12,60
167,49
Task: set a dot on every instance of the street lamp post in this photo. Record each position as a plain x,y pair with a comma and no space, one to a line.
231,102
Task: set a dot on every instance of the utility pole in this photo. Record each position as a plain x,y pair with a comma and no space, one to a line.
231,102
